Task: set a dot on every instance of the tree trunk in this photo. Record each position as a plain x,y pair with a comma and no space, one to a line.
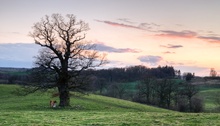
64,95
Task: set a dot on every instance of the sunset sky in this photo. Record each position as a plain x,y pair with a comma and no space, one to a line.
184,34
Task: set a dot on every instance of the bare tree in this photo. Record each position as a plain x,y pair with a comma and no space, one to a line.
146,89
189,90
64,53
213,73
117,90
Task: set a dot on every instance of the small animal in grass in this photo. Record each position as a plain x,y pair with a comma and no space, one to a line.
53,104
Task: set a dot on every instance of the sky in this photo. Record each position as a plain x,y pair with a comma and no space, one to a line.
184,34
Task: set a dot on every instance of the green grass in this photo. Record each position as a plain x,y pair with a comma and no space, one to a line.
89,110
209,92
106,118
208,87
209,96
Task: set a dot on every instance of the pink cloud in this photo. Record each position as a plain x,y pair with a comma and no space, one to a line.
212,39
171,46
176,34
140,27
126,20
187,34
168,52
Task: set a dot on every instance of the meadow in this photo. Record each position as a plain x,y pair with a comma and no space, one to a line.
209,96
34,110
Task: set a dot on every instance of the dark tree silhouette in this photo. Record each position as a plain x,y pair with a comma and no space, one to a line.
146,89
64,53
189,91
213,73
188,76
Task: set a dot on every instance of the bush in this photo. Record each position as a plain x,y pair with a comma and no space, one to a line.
182,104
197,104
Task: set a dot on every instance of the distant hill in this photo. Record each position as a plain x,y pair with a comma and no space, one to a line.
10,75
206,80
13,71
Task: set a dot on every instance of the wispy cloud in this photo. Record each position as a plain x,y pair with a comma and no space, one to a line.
102,47
186,34
152,27
177,34
168,52
121,25
150,59
126,20
129,24
212,39
171,46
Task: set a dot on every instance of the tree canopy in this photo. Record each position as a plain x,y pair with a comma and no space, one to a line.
64,52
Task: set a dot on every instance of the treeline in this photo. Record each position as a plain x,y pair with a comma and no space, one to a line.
14,75
106,80
134,73
127,74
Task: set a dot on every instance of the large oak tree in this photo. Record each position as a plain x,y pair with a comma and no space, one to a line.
64,54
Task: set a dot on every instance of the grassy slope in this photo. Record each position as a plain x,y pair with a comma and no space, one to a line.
90,110
209,96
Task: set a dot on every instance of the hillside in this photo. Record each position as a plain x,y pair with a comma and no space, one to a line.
90,102
90,110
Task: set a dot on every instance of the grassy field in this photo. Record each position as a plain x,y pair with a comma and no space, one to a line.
34,110
209,97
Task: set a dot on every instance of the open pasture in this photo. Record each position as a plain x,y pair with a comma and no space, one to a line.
90,110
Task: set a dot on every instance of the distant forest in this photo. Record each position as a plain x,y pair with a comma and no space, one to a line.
126,74
135,73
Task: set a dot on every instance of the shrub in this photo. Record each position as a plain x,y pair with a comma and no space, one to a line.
197,104
182,104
